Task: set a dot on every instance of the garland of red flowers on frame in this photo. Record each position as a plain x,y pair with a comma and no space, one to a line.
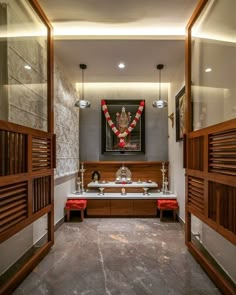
122,135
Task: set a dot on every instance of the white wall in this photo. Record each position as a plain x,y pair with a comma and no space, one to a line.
175,149
67,137
63,187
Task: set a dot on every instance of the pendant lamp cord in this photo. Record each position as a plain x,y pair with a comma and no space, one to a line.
159,84
82,84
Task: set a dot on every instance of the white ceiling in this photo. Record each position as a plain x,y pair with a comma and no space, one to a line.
102,33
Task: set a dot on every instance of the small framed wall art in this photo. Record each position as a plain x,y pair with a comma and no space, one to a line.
179,114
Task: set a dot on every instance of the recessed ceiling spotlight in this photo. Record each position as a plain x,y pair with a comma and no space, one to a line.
208,70
27,67
121,65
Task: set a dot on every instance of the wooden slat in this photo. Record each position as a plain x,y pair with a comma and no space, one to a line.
231,159
222,147
196,182
12,192
12,199
224,172
12,153
12,223
11,205
194,188
217,165
195,204
196,194
40,193
11,212
9,187
216,140
41,153
7,220
222,152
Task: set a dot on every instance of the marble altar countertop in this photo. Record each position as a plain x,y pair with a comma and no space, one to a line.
110,196
114,184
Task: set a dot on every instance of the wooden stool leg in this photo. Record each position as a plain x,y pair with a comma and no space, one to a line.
161,214
68,215
174,215
82,215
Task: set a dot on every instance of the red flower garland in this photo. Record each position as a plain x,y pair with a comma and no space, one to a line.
122,135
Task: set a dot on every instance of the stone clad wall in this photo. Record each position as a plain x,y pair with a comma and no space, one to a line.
66,124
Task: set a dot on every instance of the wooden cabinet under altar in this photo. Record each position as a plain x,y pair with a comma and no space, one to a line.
121,207
98,208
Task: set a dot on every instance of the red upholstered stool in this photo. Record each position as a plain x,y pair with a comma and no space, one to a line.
171,205
75,205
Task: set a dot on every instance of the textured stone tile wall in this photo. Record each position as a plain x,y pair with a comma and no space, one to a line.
66,124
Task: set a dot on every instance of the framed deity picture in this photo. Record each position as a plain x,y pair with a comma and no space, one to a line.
179,114
123,126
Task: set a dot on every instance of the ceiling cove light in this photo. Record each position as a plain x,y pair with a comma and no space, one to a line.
82,104
208,70
160,103
147,31
121,65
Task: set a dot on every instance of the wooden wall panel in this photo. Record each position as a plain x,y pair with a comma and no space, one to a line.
196,153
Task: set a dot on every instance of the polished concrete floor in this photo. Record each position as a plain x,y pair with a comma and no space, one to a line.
112,256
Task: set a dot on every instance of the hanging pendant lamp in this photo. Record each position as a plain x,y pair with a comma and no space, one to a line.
160,103
82,103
